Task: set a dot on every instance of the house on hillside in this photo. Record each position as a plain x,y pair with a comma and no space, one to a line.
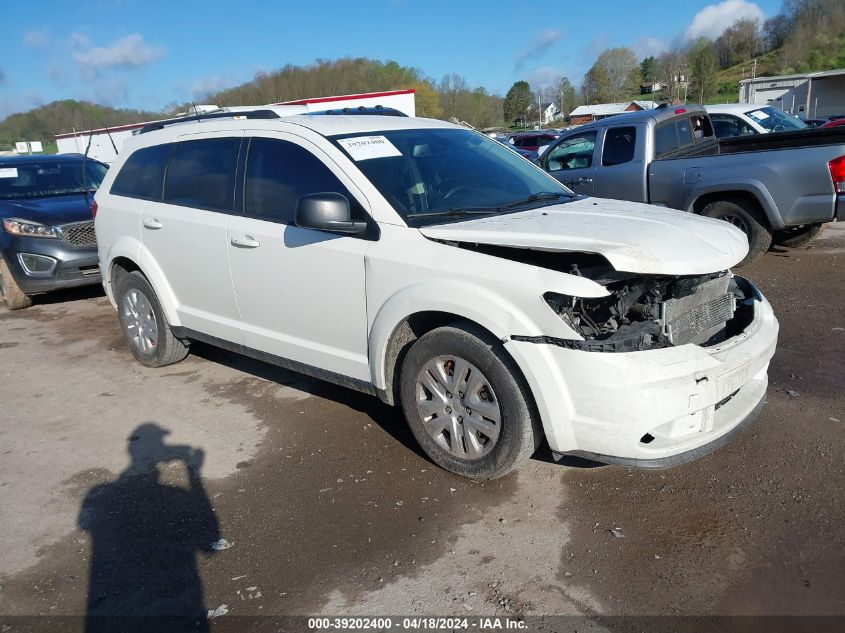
548,112
589,113
652,87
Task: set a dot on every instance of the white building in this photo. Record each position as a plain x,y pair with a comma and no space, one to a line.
810,96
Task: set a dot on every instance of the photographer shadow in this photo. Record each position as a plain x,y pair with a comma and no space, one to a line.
145,535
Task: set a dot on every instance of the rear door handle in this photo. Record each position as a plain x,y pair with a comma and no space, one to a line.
583,180
245,241
152,223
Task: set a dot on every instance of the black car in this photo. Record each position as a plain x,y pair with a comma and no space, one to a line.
47,235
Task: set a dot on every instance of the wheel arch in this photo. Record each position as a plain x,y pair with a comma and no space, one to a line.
747,192
125,261
415,312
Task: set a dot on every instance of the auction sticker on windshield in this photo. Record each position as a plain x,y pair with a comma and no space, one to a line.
8,172
367,147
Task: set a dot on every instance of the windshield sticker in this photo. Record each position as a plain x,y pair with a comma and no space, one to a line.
367,147
758,115
8,172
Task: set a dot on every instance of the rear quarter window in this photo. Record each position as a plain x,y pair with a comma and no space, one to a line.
665,138
142,175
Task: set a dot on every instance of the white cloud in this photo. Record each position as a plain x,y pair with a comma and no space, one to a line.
647,46
36,39
203,87
127,52
541,43
713,19
543,77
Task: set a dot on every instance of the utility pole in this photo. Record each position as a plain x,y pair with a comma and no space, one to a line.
754,70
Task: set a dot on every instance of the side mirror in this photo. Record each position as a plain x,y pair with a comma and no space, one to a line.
327,212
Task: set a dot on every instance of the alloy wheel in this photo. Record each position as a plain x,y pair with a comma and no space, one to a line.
139,321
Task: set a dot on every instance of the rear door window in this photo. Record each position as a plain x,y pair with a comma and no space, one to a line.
201,174
142,175
619,145
279,173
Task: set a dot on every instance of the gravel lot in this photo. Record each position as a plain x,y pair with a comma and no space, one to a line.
325,505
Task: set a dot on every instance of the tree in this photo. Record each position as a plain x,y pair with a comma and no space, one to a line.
427,100
565,96
648,69
517,101
451,86
615,74
703,68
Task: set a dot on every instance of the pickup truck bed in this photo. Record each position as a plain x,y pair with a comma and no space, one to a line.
771,186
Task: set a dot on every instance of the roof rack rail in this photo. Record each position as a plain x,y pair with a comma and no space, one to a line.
375,110
249,114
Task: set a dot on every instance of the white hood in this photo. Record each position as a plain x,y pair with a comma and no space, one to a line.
636,238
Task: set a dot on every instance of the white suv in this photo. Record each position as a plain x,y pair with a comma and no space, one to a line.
426,264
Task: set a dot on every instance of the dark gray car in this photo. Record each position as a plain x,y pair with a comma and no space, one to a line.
47,236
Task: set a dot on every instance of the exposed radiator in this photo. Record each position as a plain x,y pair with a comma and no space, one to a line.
697,317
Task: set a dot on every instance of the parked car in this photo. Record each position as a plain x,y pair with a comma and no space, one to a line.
780,187
833,123
47,237
532,141
741,119
528,154
424,263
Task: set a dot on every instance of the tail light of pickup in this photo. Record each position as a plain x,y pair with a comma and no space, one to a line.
837,173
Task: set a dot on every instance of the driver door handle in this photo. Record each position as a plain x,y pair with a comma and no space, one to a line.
583,180
245,241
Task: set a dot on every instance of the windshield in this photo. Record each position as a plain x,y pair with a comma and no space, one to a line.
775,120
48,178
429,175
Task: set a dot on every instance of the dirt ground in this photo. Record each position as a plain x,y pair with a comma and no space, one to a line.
319,502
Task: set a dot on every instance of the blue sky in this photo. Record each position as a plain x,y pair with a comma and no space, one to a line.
147,53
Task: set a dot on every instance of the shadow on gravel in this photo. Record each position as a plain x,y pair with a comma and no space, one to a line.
144,539
69,294
390,419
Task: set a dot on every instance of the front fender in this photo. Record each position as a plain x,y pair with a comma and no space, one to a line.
474,303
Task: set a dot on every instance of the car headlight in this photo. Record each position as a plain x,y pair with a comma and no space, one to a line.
27,228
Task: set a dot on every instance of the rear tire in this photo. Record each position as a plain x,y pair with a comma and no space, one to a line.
746,216
16,299
144,325
486,429
796,236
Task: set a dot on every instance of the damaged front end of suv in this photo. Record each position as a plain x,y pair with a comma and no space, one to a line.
651,312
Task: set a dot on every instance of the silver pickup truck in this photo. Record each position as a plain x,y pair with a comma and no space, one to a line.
780,187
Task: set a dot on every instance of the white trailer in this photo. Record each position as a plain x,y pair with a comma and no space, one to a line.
105,143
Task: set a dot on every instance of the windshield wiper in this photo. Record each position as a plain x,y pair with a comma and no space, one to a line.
535,197
453,213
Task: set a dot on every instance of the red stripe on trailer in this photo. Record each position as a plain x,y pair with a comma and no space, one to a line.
368,95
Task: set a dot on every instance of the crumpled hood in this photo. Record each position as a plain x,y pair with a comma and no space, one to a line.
50,210
633,237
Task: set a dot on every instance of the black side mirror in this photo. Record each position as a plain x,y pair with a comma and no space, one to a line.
327,212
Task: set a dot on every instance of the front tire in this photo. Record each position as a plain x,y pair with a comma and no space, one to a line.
467,403
748,218
144,325
16,299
